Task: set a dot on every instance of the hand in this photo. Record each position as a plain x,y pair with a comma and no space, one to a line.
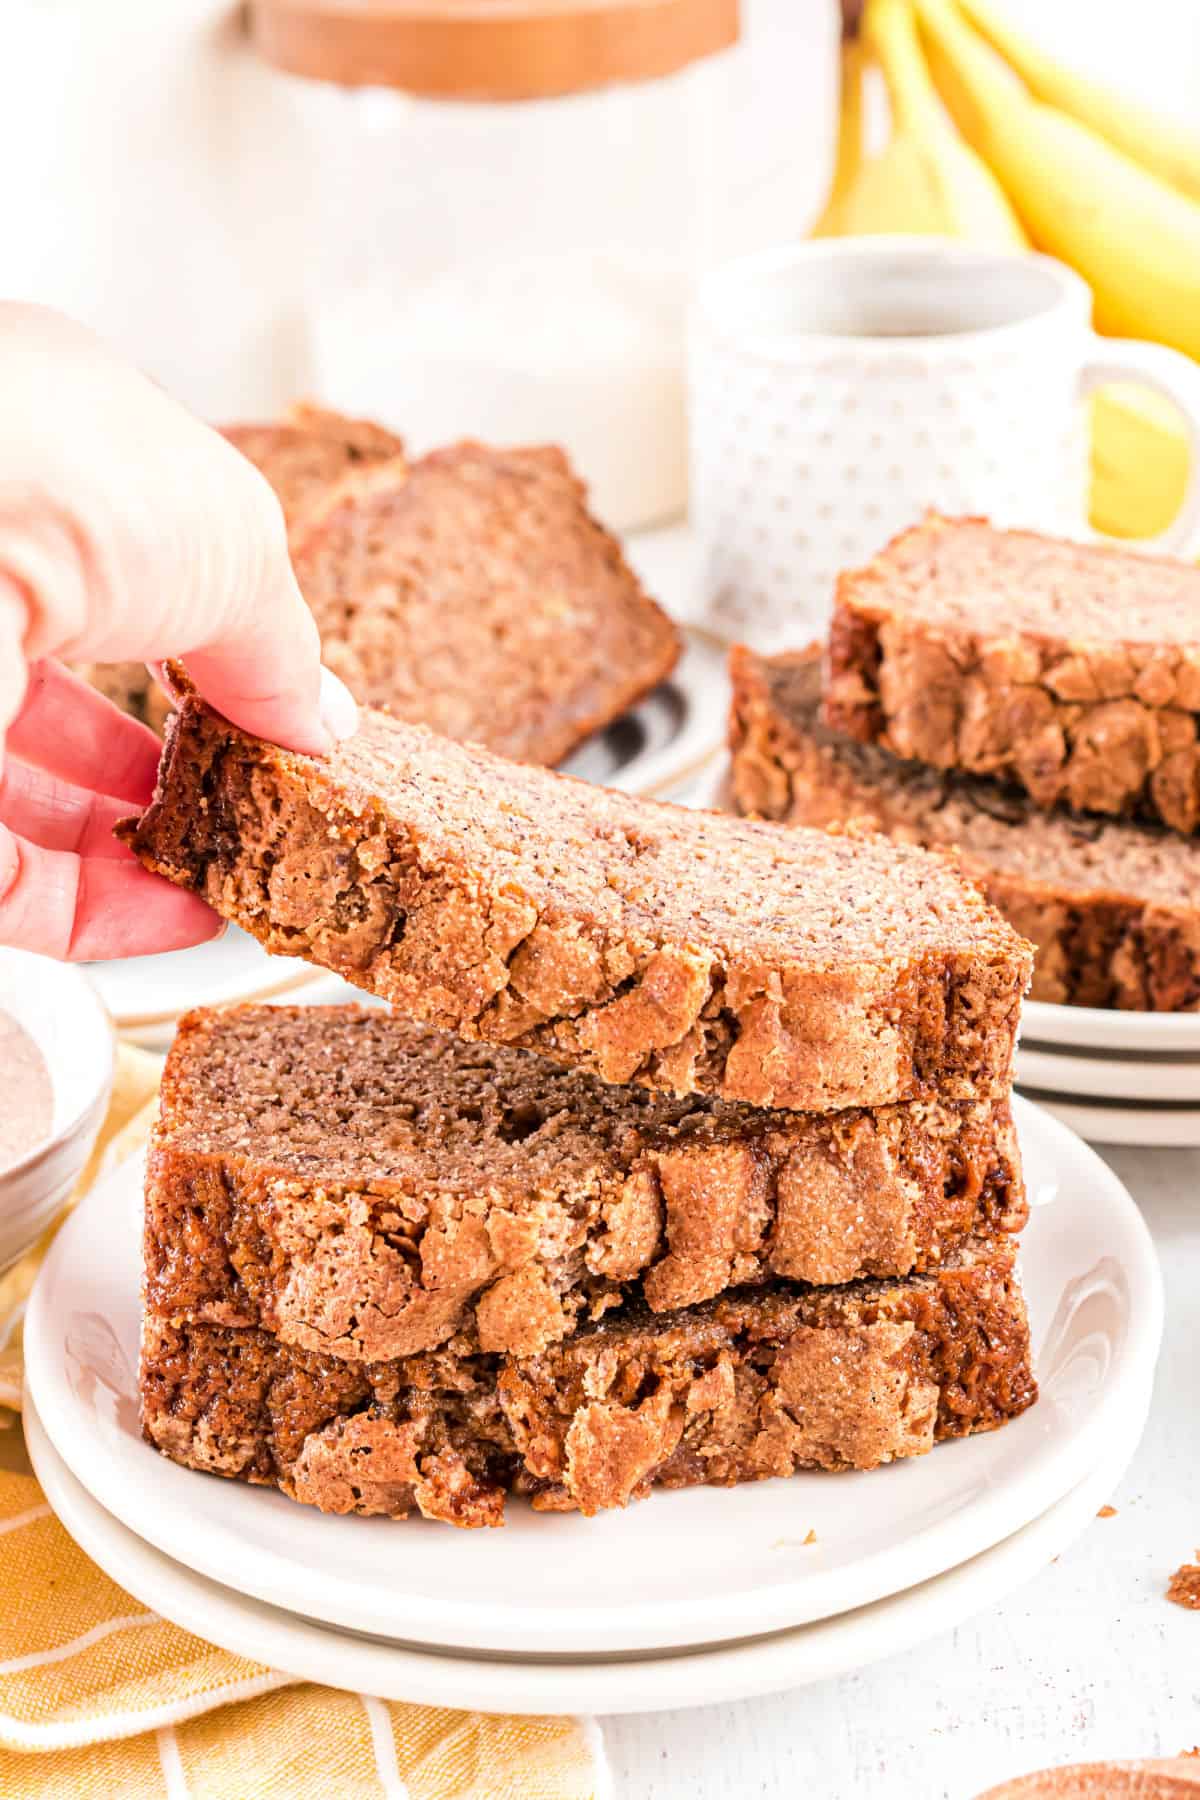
128,532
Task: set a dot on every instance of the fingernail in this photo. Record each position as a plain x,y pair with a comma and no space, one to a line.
339,714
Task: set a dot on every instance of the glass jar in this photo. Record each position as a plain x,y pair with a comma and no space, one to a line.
511,200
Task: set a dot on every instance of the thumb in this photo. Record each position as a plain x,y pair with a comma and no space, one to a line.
266,675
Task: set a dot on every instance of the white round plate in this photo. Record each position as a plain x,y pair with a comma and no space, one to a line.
762,1665
1105,1028
670,1576
1108,1077
1105,1122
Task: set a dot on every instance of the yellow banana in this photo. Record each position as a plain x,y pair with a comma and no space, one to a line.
1140,461
848,155
926,180
1171,151
1135,240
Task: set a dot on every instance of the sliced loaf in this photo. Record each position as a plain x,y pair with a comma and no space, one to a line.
1070,669
1113,907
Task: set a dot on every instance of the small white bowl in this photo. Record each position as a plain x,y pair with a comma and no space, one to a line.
61,1011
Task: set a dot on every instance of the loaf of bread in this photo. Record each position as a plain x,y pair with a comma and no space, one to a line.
760,1382
367,1187
474,592
1112,906
684,951
1072,670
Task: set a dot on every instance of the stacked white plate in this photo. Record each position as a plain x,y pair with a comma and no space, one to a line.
688,1597
655,748
1115,1077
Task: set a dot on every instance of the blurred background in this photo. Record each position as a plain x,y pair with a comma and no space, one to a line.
505,263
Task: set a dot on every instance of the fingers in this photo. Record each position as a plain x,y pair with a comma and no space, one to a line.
85,908
248,682
140,533
59,816
67,728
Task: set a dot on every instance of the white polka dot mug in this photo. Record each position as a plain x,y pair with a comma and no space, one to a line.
838,388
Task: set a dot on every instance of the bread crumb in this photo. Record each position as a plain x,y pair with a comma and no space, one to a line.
812,1537
1184,1586
1107,1512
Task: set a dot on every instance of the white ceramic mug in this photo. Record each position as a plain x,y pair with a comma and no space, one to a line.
838,388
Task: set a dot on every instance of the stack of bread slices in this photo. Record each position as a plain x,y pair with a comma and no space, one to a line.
1032,706
682,1152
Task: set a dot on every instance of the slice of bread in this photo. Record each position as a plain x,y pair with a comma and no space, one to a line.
367,1187
1113,907
759,1383
686,951
473,592
310,451
1072,670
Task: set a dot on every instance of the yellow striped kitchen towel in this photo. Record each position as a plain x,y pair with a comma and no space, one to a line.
101,1697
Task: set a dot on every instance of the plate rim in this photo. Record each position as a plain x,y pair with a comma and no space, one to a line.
497,1625
1048,1022
1069,1073
311,1651
1144,1127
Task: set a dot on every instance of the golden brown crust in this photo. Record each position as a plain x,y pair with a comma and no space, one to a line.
1112,906
758,1383
683,951
1070,670
365,1187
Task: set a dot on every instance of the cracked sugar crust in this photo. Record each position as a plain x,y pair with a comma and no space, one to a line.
1072,670
758,1383
473,592
684,951
1112,906
368,1187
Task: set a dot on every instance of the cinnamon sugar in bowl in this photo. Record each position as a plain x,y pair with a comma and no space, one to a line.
56,1068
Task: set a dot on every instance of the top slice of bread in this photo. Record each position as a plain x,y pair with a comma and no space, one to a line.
685,951
474,592
1070,669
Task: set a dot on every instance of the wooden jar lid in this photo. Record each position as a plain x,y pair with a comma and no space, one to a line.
1168,1778
489,49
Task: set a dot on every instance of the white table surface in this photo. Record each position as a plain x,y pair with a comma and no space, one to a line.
1088,1661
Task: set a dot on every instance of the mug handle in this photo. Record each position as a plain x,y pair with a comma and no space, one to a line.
1177,378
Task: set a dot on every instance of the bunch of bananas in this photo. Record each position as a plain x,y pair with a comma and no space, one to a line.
993,142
